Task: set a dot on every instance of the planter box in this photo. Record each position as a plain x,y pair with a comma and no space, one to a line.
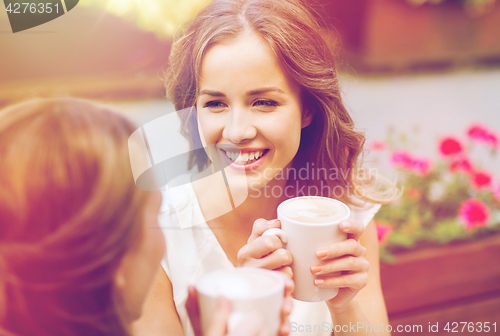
445,284
393,34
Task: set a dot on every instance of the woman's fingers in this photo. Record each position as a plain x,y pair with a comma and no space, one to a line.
286,270
193,310
274,261
348,263
264,252
347,247
284,328
289,284
218,324
260,226
353,228
354,281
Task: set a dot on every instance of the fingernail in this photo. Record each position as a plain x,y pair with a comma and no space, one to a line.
321,253
318,282
316,268
345,225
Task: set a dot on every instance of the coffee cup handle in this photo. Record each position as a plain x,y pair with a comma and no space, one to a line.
277,232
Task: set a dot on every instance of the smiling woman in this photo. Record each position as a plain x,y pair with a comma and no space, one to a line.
256,85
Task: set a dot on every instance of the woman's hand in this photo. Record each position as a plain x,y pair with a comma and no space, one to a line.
348,257
268,252
251,324
265,251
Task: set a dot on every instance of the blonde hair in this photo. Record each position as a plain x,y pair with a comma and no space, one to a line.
293,34
69,212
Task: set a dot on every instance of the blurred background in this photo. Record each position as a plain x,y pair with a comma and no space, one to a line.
420,77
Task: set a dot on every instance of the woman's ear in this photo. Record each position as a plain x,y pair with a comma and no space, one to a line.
307,117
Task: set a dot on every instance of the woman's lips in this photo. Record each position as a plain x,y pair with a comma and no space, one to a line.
253,164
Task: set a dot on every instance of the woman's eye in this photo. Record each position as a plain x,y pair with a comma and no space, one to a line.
215,105
266,104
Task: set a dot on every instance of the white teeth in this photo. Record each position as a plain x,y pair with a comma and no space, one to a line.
244,157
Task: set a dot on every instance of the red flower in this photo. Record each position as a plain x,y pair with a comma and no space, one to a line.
474,213
450,146
383,231
480,180
413,193
480,133
461,165
378,145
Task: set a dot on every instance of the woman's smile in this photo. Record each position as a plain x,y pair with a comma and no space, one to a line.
244,158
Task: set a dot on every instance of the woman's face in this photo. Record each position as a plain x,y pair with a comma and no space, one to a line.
249,109
140,265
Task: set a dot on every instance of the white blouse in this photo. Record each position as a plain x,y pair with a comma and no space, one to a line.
193,249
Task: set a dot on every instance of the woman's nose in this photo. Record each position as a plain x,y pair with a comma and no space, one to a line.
239,127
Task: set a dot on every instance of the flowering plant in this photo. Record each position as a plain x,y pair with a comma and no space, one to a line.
445,200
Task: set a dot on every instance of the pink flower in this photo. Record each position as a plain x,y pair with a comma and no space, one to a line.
482,134
406,161
474,213
450,146
421,166
378,145
383,231
461,165
402,159
480,180
496,192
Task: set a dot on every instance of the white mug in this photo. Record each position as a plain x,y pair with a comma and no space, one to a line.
302,239
249,290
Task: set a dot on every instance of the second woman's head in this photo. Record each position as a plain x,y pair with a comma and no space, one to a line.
79,244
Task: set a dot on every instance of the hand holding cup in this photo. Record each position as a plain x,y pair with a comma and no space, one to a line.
347,257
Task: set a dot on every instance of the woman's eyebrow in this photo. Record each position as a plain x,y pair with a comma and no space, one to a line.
248,93
264,90
212,93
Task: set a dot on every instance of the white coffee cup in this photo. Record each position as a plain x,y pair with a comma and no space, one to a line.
249,290
304,229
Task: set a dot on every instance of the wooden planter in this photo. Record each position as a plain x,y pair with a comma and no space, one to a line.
451,283
392,34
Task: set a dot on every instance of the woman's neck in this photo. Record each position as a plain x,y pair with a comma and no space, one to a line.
233,210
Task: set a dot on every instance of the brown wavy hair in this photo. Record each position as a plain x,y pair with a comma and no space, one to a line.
294,35
69,212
